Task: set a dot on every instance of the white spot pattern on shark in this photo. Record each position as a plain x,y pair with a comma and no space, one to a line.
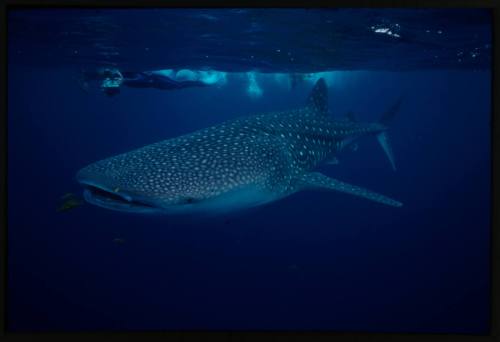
240,163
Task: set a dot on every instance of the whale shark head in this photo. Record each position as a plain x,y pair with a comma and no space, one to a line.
196,172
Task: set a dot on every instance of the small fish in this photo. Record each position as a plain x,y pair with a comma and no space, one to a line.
69,203
119,241
82,84
68,195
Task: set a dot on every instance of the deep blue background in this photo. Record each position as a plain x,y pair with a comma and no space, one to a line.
315,260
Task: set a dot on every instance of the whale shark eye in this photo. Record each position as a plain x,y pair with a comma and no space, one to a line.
189,200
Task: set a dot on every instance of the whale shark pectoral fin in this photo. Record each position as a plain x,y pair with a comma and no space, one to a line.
316,180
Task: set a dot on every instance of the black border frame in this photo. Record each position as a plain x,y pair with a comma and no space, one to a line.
185,336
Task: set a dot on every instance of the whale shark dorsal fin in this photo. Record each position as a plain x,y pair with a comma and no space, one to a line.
316,180
318,98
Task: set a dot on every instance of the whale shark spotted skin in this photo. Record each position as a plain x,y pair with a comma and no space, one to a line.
238,164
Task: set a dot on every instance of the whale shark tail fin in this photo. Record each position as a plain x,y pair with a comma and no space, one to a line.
383,140
382,137
318,98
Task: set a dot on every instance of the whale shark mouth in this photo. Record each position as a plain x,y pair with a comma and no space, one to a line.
114,200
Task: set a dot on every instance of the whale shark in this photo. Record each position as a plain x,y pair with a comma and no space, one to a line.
241,163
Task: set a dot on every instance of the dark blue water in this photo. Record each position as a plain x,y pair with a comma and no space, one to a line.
314,260
269,40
